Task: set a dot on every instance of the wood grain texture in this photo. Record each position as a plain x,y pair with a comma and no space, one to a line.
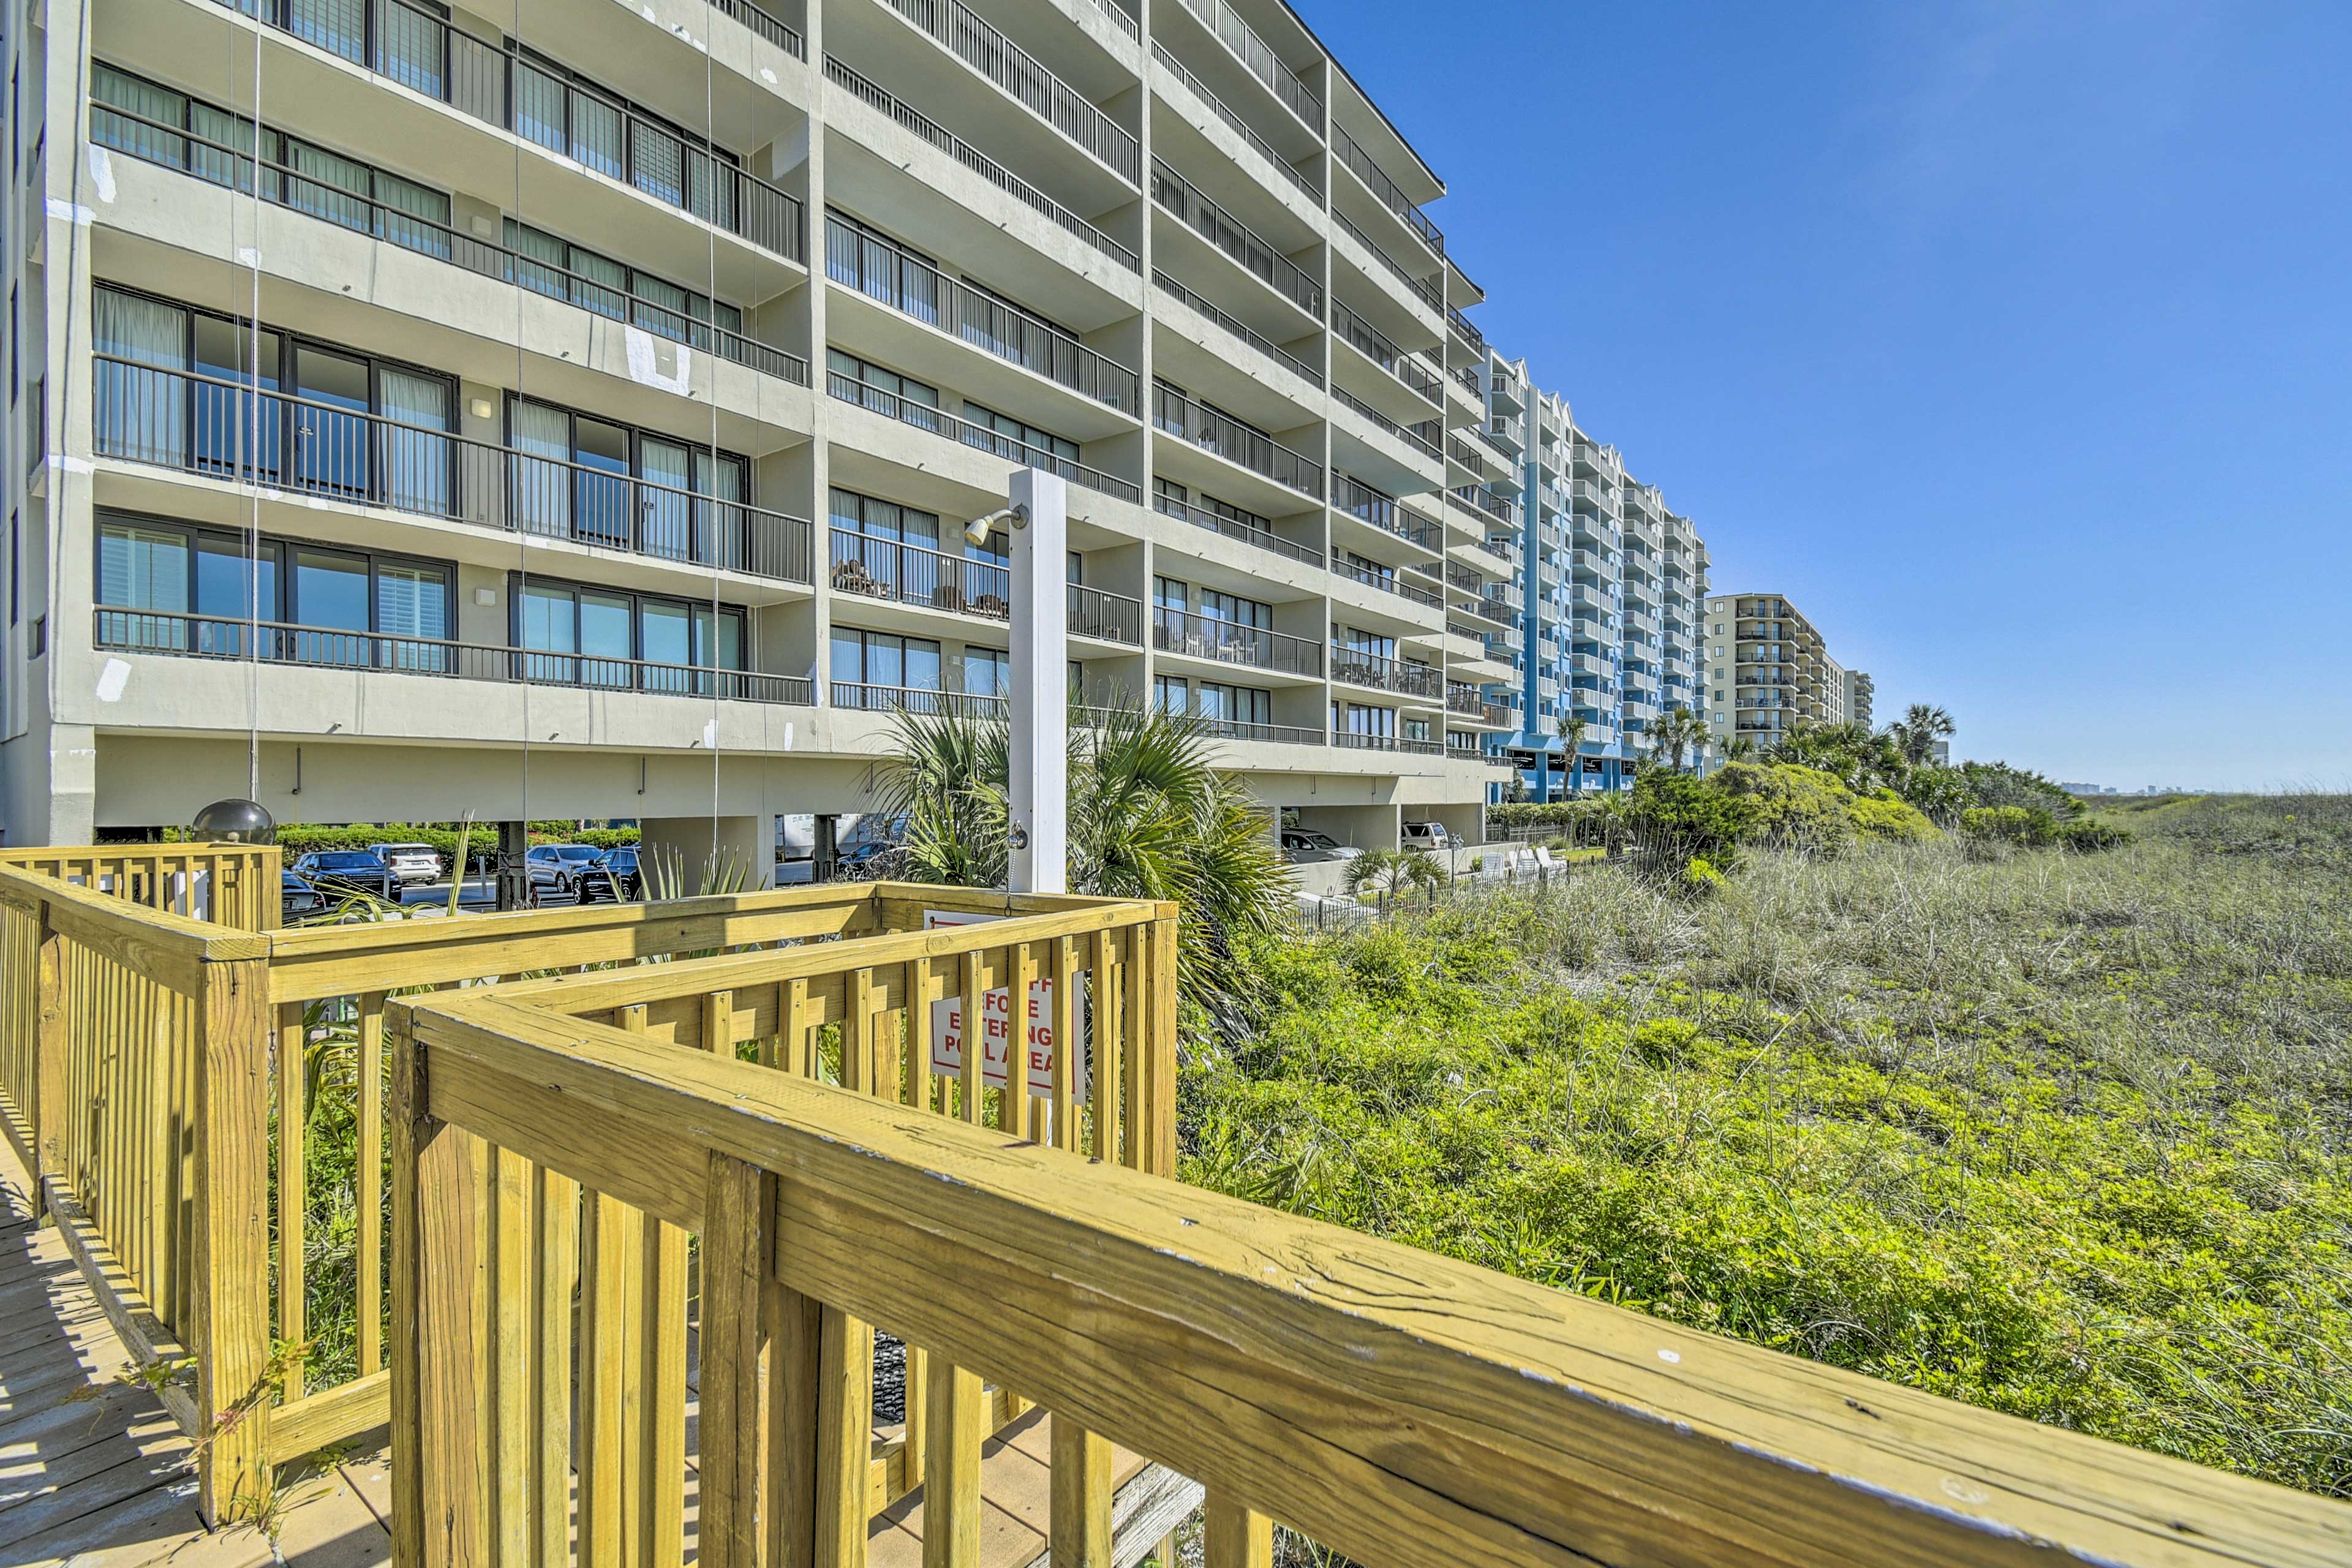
956,1422
735,1266
844,1425
1400,1406
232,1233
1081,1535
1234,1536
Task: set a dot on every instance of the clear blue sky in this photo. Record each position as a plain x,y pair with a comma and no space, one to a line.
2012,340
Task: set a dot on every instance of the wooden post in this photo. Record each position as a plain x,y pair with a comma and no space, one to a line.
1160,1070
232,1236
845,1432
795,1333
1081,1494
1235,1537
957,1423
735,1260
48,1109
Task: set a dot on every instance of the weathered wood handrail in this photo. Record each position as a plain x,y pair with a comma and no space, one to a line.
1401,1408
184,1049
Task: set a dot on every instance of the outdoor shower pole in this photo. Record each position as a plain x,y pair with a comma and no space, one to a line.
1040,858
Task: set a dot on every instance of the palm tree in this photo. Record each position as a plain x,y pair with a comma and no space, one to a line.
1740,749
1570,727
1149,818
1916,733
1391,871
1685,731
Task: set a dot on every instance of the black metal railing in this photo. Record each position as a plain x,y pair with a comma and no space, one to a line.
1378,347
201,425
1258,56
420,50
1230,642
1237,327
1390,195
1185,202
1465,700
1413,435
1388,583
151,141
1381,673
862,697
1105,616
1253,449
979,438
883,272
1243,729
1477,498
1216,521
959,29
913,574
880,98
1226,113
1361,502
1466,328
1427,289
334,647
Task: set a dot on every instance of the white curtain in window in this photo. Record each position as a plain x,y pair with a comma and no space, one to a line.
140,409
415,464
542,501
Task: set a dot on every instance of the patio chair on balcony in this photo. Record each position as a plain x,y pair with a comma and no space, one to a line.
851,577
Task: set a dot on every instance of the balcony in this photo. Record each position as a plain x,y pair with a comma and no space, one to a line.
1235,122
1466,330
1229,438
1424,289
1258,57
1478,499
1238,327
1388,583
1376,180
958,28
1103,617
155,141
1234,528
1383,512
1421,438
1492,607
860,697
421,51
1355,740
331,647
1222,641
1185,202
198,425
1374,345
979,437
979,163
891,277
1240,730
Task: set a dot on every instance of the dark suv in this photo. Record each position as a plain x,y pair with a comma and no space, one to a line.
568,871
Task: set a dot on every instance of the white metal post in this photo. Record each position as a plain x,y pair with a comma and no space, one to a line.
1040,858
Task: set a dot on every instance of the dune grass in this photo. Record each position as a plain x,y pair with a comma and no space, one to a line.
2064,1136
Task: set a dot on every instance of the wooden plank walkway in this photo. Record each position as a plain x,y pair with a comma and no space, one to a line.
93,1472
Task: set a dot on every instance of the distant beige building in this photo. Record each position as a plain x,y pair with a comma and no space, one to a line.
1769,671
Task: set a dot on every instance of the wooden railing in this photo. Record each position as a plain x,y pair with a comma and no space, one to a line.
1397,1406
153,1064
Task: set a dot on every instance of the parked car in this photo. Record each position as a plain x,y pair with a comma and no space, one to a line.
568,871
337,872
628,880
298,900
1429,836
410,862
1305,846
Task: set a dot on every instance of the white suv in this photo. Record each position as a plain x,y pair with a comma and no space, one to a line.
1429,836
410,862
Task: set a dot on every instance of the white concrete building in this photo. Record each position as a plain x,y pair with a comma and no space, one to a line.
624,378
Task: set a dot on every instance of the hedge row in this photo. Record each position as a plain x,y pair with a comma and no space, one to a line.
300,838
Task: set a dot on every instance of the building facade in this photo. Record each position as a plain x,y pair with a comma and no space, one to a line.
1609,592
1770,670
576,412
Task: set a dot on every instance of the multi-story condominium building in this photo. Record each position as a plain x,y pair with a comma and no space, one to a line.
576,411
1608,595
1858,693
1769,671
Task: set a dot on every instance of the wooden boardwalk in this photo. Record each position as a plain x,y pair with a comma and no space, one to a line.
93,1472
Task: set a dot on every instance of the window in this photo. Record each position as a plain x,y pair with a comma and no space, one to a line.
895,664
1359,718
1171,595
548,265
1236,704
587,636
987,672
39,643
1363,642
604,483
1171,693
133,115
1222,606
1013,431
886,392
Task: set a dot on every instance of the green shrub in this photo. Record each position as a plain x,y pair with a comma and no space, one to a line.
1681,818
1882,814
2026,825
2089,836
1791,807
298,839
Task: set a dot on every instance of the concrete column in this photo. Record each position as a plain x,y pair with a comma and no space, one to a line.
749,841
1040,748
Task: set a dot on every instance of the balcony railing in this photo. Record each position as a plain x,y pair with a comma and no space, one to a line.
1417,436
860,697
1258,56
882,272
1465,700
1490,608
1230,642
421,51
1242,730
1361,502
1466,328
1351,741
1377,181
1478,499
1125,21
1426,288
1234,528
1464,578
334,647
1238,327
1212,431
911,575
1388,583
923,417
1383,674
1105,616
200,425
153,142
1185,202
959,29
1241,126
1376,346
876,97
